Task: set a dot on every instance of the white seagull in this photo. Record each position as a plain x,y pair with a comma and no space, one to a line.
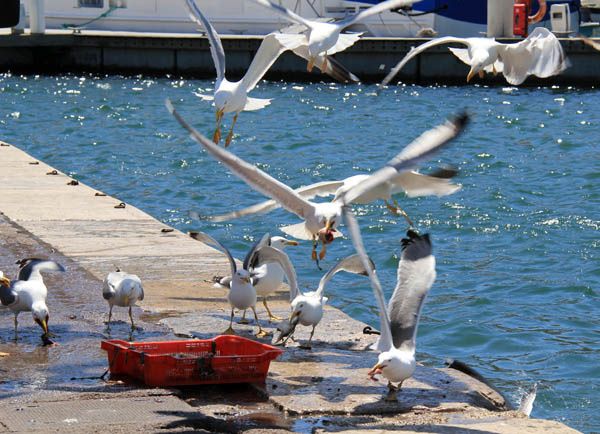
325,39
266,277
321,219
412,183
307,307
399,321
232,97
122,289
540,54
241,284
28,293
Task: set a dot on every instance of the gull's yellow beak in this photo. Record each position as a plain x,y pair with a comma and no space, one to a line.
247,279
376,370
43,324
291,243
471,74
5,281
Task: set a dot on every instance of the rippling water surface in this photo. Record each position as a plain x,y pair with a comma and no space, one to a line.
517,248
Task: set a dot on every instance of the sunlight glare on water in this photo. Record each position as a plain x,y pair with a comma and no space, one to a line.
517,290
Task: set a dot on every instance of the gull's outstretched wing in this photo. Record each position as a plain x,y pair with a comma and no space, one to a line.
268,254
216,48
385,339
207,239
252,175
420,149
272,46
415,184
325,188
540,54
416,274
418,50
351,264
251,259
374,10
284,12
32,265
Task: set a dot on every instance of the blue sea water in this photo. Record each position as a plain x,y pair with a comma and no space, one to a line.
516,295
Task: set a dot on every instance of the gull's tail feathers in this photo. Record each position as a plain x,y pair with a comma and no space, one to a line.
256,104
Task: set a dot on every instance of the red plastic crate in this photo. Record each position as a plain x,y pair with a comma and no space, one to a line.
223,359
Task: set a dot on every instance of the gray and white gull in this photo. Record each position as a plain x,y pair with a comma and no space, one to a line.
267,277
322,219
122,289
241,284
410,182
307,307
400,319
540,54
324,39
29,293
232,97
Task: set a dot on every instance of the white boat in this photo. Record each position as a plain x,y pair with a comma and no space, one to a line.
462,18
242,16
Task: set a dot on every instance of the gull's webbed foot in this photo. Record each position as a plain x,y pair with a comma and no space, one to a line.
262,333
229,331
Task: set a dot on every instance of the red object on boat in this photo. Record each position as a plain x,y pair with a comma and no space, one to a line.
521,19
223,359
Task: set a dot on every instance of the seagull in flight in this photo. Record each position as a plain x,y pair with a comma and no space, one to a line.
307,307
241,284
232,97
399,321
412,183
325,39
540,54
28,293
322,219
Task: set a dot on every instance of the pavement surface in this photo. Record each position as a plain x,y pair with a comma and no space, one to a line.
60,389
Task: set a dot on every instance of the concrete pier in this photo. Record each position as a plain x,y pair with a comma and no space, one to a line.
45,214
58,51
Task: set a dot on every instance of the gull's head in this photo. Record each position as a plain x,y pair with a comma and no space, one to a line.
396,365
281,243
243,275
40,314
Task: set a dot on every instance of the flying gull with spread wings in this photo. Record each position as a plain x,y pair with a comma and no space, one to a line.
322,219
325,39
232,97
540,54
